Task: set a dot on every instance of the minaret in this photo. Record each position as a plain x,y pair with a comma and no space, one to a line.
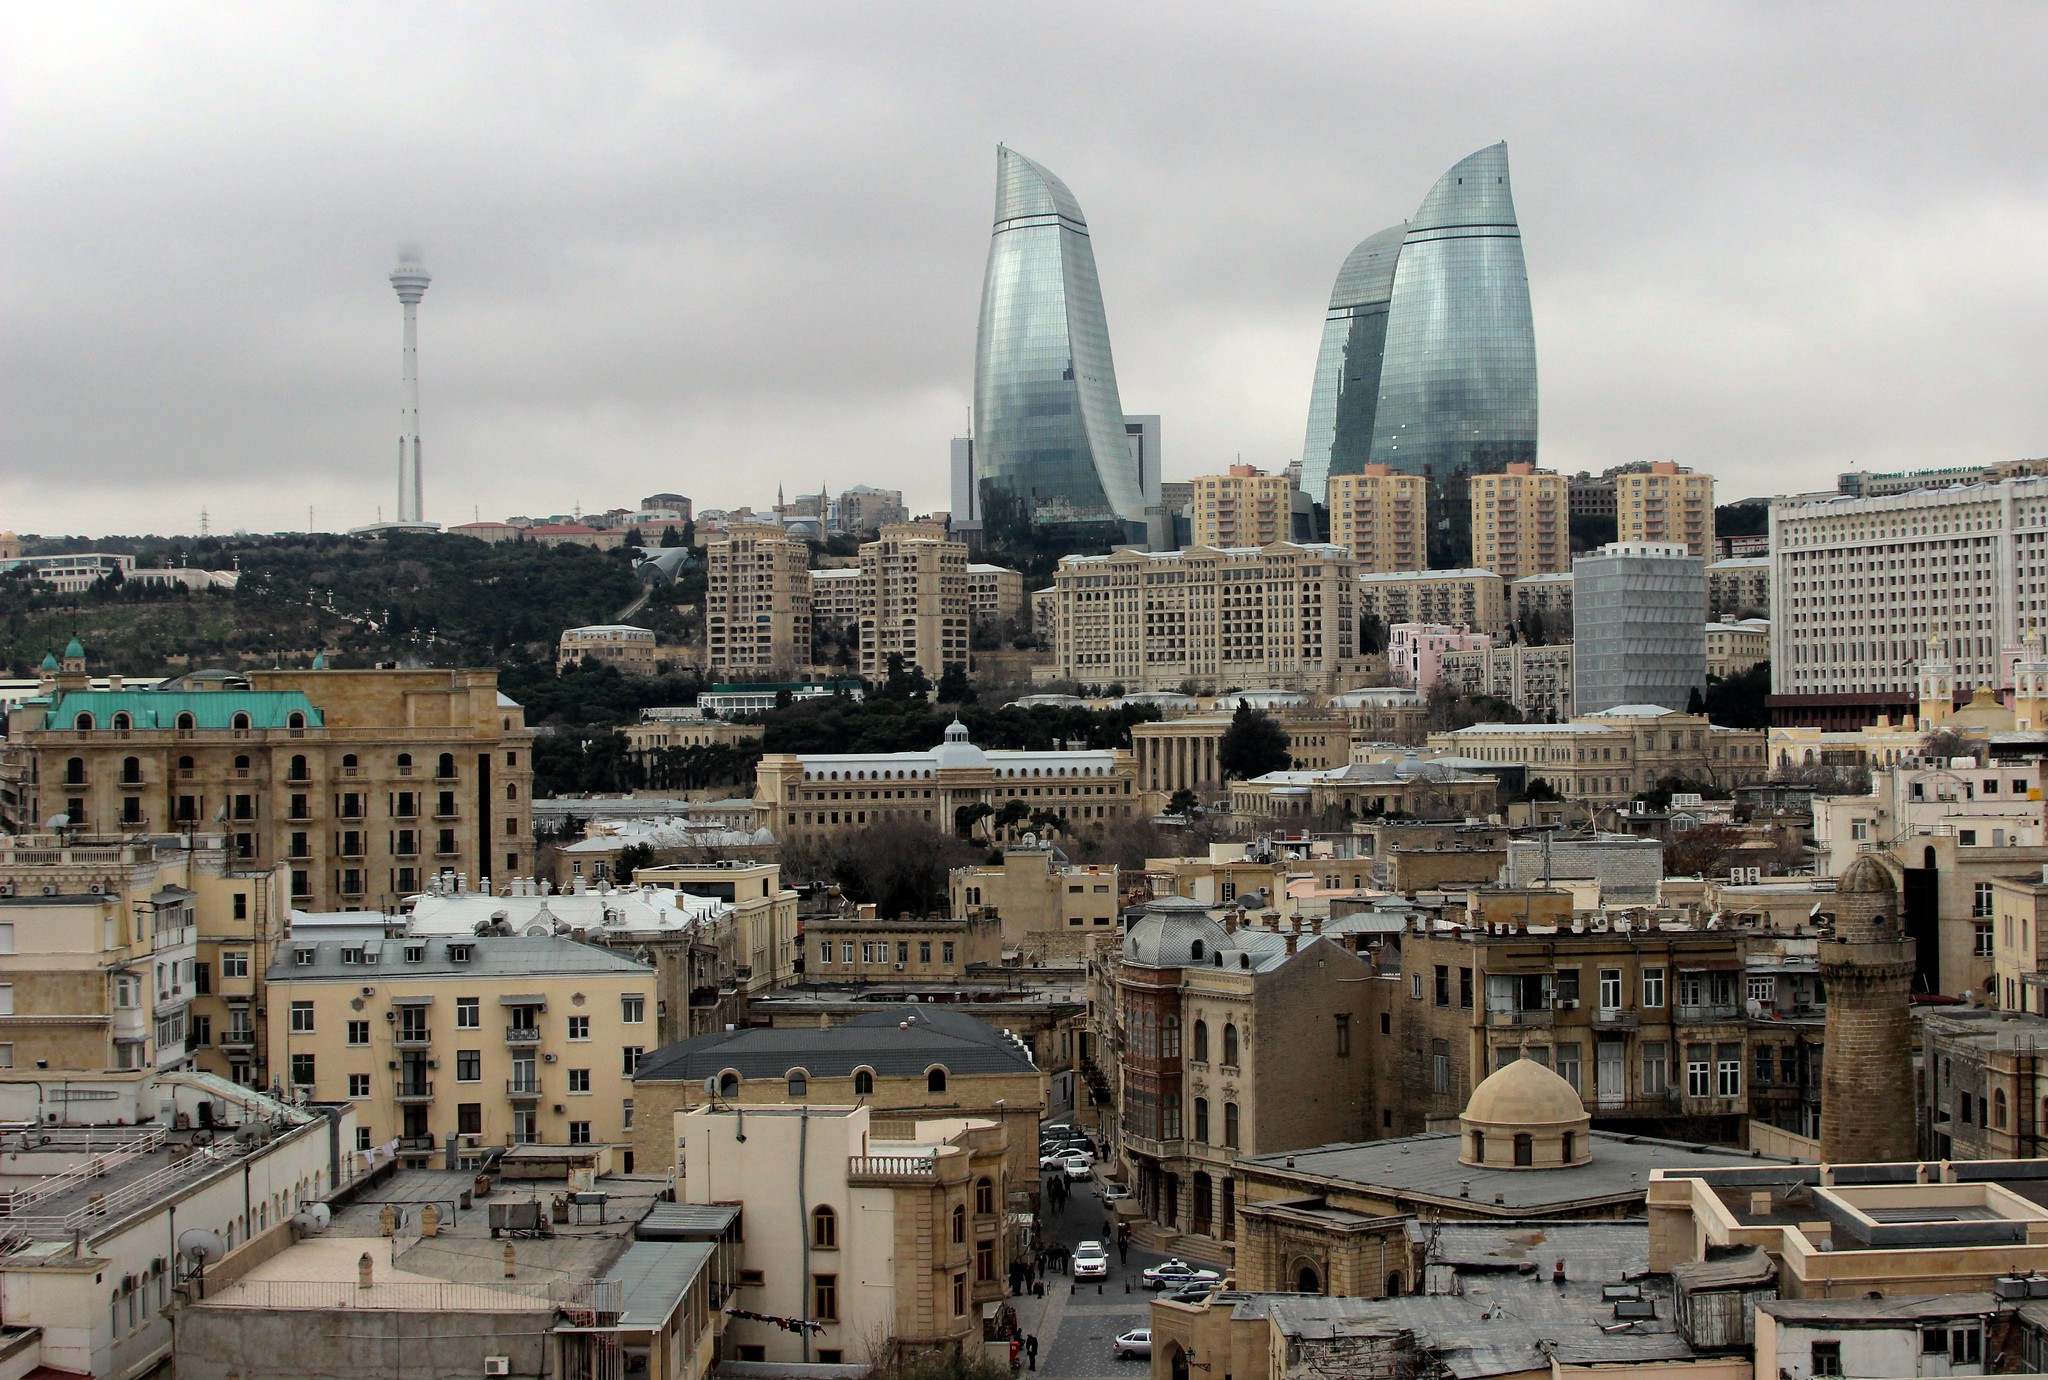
410,281
1937,685
1867,1093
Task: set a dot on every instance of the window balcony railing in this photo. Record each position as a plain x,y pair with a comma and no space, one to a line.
522,1034
412,1036
525,1088
413,1090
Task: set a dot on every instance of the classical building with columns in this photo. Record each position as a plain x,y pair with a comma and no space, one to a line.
1180,754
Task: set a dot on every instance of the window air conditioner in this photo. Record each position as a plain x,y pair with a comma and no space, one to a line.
497,1365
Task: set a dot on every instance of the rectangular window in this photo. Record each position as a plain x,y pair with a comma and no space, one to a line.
1983,934
1610,989
234,963
824,951
1656,1069
946,951
469,1118
579,1027
1981,902
579,1080
469,1014
1653,987
630,1059
302,1018
1440,1066
359,1085
1728,1071
825,1298
1567,985
1568,1065
924,951
302,1070
633,1009
359,1032
1827,1358
579,1133
1699,1071
626,1120
1465,988
469,1066
1443,984
846,951
1343,1037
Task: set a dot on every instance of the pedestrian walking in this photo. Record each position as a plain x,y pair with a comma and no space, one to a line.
1031,1349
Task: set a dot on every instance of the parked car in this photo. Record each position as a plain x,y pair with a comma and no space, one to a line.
1179,1274
1091,1261
1114,1192
1059,1159
1133,1344
1080,1167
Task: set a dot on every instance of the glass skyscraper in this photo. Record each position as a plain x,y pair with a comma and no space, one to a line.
1430,347
1050,446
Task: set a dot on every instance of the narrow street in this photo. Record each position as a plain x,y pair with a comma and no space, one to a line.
1075,1329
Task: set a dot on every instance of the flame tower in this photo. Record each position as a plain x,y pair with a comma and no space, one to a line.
410,281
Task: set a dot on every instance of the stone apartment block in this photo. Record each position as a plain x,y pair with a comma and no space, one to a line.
835,596
1047,907
1544,600
1666,503
1243,507
1470,598
758,943
757,603
913,600
994,593
628,649
473,1042
1380,517
1537,680
1274,617
863,948
1520,525
1733,648
1739,587
363,784
1611,757
1981,1097
865,509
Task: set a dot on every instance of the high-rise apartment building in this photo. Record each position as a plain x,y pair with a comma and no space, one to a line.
757,602
864,508
1639,635
994,593
1380,516
1664,502
1278,617
1428,360
1520,525
1473,599
363,784
913,600
1858,586
1244,507
1051,448
835,596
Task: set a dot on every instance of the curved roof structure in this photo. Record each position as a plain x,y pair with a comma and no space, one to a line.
1524,1094
1345,395
1027,188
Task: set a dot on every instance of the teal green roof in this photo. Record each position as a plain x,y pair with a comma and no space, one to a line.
74,649
161,708
49,661
320,661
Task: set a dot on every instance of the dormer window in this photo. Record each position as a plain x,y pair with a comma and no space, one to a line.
304,957
415,953
459,953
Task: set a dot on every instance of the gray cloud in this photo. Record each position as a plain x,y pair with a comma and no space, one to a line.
713,248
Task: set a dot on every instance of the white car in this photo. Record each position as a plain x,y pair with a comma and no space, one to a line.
1060,1159
1079,1167
1137,1342
1112,1193
1178,1274
1091,1261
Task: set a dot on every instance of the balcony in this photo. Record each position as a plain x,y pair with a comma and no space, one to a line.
413,1090
522,1034
413,1036
1534,1016
233,1039
1607,1018
869,1171
524,1089
1706,1013
416,1143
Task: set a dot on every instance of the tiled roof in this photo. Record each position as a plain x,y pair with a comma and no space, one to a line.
876,1040
160,708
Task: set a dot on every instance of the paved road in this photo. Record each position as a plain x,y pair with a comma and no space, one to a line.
1075,1329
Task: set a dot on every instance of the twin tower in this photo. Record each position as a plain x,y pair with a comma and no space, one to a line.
1427,365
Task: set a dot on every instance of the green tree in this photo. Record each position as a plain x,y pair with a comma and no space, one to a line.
954,687
631,859
1738,701
1184,803
1253,745
672,536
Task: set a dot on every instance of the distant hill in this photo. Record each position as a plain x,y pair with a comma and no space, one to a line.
429,599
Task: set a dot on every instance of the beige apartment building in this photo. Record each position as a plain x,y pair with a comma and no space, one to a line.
1537,680
913,600
1044,905
1666,503
1469,598
994,593
472,1041
1380,517
835,596
1609,758
364,784
628,649
1520,525
1242,507
1733,648
1545,602
761,951
1739,587
757,603
1277,617
864,948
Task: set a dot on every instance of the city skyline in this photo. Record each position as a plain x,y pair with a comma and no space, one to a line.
193,318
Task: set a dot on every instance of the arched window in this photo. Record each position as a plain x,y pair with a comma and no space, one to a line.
240,722
74,771
405,764
1169,1038
1202,1120
1230,1044
863,1083
185,766
83,723
298,769
1201,1050
1525,1150
984,1197
131,770
728,1084
1308,1281
799,1084
935,1081
959,1225
295,720
241,764
1479,1147
824,1229
1998,1110
349,761
446,767
1230,1125
122,723
185,723
511,790
1394,1284
1196,950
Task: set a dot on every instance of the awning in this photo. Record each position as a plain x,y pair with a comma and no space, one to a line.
523,999
412,1001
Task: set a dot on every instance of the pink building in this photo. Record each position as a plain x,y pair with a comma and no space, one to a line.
1415,651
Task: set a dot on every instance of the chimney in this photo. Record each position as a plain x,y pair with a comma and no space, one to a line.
1557,1274
1315,922
511,1262
1760,1203
1293,939
363,1271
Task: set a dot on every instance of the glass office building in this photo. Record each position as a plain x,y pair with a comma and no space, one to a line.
1458,380
1346,395
1050,446
1638,626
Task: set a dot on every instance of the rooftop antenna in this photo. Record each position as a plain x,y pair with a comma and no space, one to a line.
202,522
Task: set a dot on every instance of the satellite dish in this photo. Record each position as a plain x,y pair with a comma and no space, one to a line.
60,822
200,1246
711,1085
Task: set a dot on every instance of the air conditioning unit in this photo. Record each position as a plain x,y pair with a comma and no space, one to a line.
547,1058
98,888
49,888
558,1109
497,1365
1567,1003
6,888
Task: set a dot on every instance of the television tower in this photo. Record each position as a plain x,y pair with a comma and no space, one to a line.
410,281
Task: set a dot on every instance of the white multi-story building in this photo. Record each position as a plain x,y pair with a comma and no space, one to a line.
1859,585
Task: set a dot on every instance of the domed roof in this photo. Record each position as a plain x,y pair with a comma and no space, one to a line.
1526,1094
1866,875
1174,932
74,649
49,661
957,751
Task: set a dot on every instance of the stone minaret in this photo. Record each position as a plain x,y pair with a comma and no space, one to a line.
1867,1096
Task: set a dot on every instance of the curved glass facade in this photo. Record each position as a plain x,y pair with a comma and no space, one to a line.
1457,394
1346,395
1050,444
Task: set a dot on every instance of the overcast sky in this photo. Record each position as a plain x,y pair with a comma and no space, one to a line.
713,248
